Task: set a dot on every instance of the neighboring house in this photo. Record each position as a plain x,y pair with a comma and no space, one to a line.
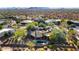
73,22
19,17
36,34
6,30
24,22
13,22
2,21
7,26
28,17
76,28
56,21
38,20
40,32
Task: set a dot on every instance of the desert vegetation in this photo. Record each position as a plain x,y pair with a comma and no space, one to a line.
36,29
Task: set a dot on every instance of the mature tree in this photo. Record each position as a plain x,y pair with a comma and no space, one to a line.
42,25
0,26
17,20
64,23
20,34
57,36
31,25
51,24
35,23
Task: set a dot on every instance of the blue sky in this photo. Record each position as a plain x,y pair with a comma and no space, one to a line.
40,3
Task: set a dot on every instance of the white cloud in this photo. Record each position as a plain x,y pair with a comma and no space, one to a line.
39,3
